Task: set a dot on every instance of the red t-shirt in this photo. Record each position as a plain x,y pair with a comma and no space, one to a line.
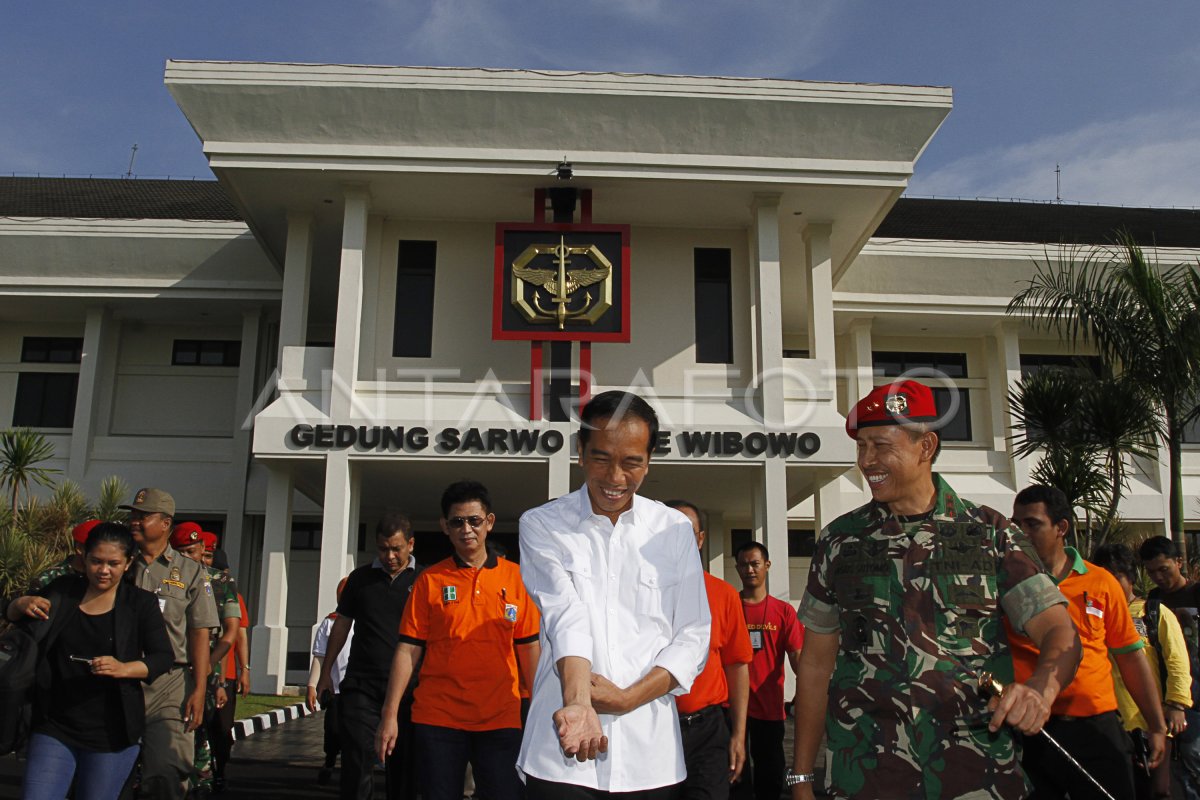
775,631
728,643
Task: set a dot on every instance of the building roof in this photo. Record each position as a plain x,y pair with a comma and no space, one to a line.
114,198
1043,223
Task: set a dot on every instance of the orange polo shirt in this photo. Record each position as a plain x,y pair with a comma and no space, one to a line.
1097,606
469,620
728,643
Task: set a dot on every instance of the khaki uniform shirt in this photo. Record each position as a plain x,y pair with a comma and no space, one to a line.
184,595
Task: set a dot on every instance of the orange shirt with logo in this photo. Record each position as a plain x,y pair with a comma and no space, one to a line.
469,621
728,643
1097,606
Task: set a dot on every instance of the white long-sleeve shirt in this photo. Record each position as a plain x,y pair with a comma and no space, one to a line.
626,597
321,643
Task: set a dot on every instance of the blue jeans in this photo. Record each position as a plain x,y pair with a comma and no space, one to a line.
443,754
50,765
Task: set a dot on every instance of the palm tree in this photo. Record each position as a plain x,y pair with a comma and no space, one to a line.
1143,321
21,451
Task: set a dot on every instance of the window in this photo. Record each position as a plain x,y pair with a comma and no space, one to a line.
51,350
306,535
206,353
45,400
412,336
714,306
739,537
951,365
793,353
1036,362
801,543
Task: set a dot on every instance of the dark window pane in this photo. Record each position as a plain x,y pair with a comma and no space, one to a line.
892,365
801,543
739,537
45,400
306,536
297,661
206,352
714,306
1035,362
958,427
412,335
51,350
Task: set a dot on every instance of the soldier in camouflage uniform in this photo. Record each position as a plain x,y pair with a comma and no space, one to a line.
902,611
72,563
189,540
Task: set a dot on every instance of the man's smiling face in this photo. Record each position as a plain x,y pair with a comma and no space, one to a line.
896,464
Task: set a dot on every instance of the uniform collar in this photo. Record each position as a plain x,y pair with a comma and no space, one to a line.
1077,564
946,504
489,563
585,511
165,557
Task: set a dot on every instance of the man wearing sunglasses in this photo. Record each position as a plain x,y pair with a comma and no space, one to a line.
469,627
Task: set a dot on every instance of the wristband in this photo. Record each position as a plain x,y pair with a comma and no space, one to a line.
793,778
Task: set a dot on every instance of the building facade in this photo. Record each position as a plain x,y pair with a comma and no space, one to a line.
316,337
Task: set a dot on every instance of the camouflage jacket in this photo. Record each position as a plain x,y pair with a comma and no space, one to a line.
225,593
917,603
57,571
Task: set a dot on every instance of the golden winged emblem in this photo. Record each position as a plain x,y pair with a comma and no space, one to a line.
561,283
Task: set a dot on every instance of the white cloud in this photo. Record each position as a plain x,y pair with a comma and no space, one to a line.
1149,159
760,38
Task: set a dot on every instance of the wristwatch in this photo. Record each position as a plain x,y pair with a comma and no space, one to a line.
793,778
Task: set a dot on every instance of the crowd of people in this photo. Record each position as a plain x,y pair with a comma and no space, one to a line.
142,654
942,649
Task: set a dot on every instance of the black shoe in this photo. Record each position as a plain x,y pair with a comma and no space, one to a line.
324,776
218,785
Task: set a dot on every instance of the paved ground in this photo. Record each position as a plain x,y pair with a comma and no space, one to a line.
279,763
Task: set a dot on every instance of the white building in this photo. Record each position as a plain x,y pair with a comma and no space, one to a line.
340,273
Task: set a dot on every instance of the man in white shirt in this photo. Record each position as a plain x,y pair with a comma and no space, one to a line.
625,620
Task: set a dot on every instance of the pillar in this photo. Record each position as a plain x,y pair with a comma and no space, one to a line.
1003,373
770,521
297,273
96,359
347,336
768,301
339,529
268,655
558,467
240,446
717,545
818,280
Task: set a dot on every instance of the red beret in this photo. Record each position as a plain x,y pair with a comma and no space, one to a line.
210,540
80,532
893,404
185,534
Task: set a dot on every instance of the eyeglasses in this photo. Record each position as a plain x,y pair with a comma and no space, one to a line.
458,522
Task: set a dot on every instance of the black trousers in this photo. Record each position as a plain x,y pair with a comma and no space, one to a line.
220,730
332,729
764,751
445,752
706,754
538,789
1098,743
361,704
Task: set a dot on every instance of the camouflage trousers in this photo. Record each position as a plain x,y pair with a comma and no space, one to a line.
201,779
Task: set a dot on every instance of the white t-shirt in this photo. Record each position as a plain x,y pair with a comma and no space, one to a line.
321,642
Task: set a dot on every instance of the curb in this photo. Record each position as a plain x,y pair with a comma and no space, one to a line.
268,719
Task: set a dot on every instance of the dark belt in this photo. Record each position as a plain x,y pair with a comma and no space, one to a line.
692,719
1070,718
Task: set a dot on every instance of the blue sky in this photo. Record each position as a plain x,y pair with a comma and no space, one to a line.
1109,90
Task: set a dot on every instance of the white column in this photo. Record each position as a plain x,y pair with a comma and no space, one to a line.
558,465
1004,371
297,272
818,279
95,358
337,536
768,300
268,655
717,543
240,446
348,328
770,521
860,380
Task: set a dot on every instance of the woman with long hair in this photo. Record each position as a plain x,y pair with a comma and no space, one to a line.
104,638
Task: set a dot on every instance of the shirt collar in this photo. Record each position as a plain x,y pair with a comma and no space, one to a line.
1077,564
412,564
585,506
489,563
